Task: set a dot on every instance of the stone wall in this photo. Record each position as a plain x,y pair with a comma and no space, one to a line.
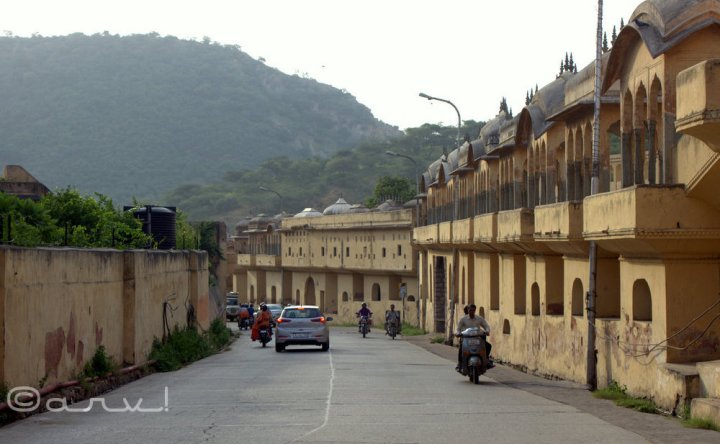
57,306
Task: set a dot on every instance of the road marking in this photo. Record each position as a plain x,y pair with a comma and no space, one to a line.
328,402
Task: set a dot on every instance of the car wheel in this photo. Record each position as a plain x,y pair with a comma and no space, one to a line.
279,348
325,346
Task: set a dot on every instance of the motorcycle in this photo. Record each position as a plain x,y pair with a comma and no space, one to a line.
474,356
244,323
392,328
364,325
265,335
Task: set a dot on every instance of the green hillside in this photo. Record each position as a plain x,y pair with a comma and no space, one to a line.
316,182
141,115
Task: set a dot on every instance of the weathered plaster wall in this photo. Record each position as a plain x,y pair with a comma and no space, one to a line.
60,305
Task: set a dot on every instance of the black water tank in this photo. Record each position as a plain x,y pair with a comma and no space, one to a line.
160,223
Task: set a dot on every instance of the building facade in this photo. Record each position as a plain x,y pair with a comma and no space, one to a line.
511,217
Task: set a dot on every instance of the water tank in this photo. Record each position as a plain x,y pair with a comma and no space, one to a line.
160,223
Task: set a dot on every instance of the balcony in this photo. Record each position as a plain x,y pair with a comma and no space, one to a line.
445,230
651,220
427,235
246,260
462,231
266,260
560,226
515,230
485,231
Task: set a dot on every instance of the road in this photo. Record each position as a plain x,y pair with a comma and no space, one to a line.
372,390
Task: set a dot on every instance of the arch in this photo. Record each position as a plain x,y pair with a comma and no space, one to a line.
481,311
273,295
569,166
642,301
376,294
411,298
506,327
297,297
535,299
252,294
587,158
655,129
309,298
345,296
577,298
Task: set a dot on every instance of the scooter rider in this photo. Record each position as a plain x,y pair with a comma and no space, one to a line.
262,320
473,320
364,311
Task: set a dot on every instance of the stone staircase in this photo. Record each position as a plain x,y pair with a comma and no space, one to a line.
707,402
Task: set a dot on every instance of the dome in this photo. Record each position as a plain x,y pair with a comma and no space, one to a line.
308,212
389,205
242,226
339,207
358,208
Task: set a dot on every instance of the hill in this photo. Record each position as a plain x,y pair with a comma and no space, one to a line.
141,115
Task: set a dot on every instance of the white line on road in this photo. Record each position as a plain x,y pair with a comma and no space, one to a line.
328,402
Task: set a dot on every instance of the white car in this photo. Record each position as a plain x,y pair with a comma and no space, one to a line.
302,325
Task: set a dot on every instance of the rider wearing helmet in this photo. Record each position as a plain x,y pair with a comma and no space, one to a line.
364,311
262,320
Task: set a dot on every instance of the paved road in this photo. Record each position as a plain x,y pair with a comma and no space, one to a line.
363,390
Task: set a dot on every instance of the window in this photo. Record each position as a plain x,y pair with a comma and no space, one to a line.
347,251
399,250
334,251
535,299
577,298
322,251
642,301
384,253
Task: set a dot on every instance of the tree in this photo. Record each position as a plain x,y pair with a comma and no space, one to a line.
613,37
504,106
605,47
399,189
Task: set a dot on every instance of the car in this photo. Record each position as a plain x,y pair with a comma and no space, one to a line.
302,325
232,307
275,310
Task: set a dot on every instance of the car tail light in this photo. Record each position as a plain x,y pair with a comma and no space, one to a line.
281,320
320,319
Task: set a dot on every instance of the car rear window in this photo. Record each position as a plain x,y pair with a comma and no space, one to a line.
306,313
232,301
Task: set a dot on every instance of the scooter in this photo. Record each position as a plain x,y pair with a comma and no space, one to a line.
244,323
474,356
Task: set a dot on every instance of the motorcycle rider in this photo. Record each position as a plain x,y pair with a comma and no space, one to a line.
392,316
364,311
473,320
262,320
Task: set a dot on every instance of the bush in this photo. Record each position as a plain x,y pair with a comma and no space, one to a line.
187,345
411,330
100,364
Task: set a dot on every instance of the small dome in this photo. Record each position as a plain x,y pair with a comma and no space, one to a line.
308,212
242,226
389,205
339,207
358,208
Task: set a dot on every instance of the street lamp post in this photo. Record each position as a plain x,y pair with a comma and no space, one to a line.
417,221
425,96
278,195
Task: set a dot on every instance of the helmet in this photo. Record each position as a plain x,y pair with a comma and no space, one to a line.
263,307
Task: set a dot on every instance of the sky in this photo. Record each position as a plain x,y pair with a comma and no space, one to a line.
384,52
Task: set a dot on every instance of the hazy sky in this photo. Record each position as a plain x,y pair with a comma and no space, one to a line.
384,52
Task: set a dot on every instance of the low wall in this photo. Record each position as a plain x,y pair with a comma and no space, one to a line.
57,306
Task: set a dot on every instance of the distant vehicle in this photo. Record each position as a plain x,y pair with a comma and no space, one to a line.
302,325
275,310
232,307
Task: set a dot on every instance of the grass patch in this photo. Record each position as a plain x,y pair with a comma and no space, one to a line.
187,345
437,339
701,423
411,330
618,394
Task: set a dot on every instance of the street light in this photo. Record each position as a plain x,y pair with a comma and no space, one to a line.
417,182
425,96
278,195
417,221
